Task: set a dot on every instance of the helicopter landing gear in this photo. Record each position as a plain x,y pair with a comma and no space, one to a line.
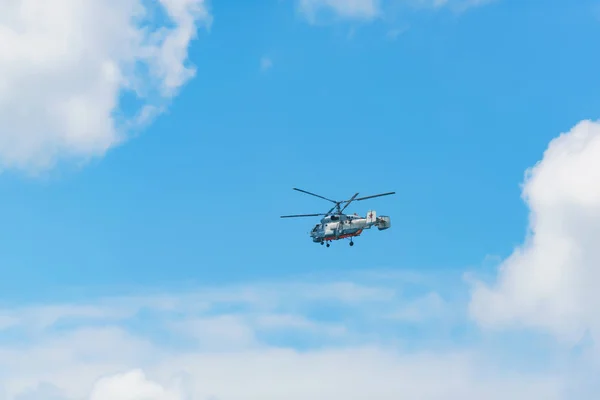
351,243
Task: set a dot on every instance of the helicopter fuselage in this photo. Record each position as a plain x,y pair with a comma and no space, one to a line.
342,226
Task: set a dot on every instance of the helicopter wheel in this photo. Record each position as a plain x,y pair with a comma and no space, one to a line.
327,244
351,243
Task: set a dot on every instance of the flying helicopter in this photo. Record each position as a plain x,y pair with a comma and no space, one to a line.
336,225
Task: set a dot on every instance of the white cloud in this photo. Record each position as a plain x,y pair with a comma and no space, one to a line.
393,34
132,385
370,10
266,63
456,5
318,340
345,9
551,282
65,63
430,306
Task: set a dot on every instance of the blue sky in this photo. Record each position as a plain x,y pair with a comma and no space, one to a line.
447,107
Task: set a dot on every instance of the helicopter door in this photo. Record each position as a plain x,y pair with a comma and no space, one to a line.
339,229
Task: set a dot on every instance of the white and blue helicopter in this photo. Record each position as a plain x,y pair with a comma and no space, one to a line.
336,225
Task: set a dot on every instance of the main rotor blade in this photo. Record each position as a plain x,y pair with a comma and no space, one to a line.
375,195
316,195
348,202
301,215
332,208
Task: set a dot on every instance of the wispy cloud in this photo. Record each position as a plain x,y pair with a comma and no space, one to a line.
371,10
344,9
266,63
393,34
321,339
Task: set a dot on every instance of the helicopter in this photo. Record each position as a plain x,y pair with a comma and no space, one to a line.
335,225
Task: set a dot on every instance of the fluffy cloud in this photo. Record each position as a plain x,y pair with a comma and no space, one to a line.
551,282
321,340
132,385
65,64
